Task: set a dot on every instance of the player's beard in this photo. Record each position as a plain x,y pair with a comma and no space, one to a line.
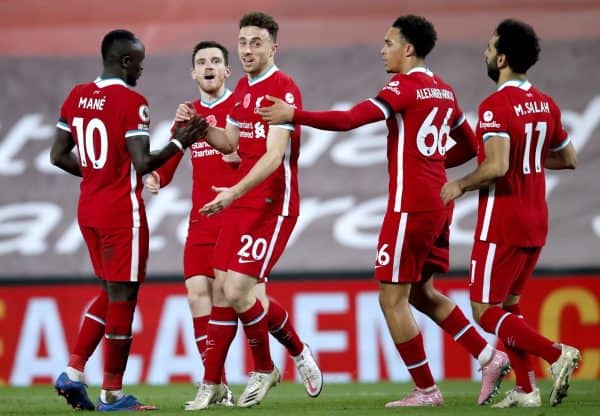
131,81
493,71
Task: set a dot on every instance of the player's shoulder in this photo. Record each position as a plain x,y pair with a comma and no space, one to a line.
438,80
131,94
283,76
283,81
396,82
544,96
493,100
82,88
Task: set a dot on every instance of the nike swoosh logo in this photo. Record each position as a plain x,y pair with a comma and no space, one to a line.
240,260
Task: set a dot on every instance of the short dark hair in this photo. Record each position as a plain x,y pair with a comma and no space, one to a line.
518,41
418,31
205,44
116,43
262,20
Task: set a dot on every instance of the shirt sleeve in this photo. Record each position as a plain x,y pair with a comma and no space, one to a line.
167,170
560,139
137,117
395,95
492,120
63,120
362,113
290,93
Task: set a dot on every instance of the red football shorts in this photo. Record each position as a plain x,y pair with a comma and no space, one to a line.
198,260
118,254
498,270
412,246
251,241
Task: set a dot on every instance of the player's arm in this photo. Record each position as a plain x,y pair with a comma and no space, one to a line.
277,141
163,176
494,166
145,161
61,154
365,112
465,148
563,158
224,140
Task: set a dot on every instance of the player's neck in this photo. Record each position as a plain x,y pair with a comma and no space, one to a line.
508,75
112,73
260,72
212,96
412,64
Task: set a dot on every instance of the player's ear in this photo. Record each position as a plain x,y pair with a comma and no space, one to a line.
227,71
501,60
409,49
193,73
125,61
273,49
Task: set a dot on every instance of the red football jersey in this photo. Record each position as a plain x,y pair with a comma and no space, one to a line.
513,210
101,116
420,111
208,169
279,191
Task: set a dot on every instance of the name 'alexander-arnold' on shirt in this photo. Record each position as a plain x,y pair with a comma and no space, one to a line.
439,93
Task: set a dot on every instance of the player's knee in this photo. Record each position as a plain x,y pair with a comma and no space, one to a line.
478,310
196,298
390,300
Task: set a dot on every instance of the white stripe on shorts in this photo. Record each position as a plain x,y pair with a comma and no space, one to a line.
487,273
135,255
399,245
272,243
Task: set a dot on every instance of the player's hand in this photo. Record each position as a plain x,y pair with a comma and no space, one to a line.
232,158
224,198
278,113
450,191
184,112
191,131
152,182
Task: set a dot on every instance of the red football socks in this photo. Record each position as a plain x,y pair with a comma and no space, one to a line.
520,360
219,336
413,354
517,334
282,329
460,329
200,330
119,318
257,331
91,332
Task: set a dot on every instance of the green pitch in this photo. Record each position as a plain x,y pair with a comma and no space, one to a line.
289,399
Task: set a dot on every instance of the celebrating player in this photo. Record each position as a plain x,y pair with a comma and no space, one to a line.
264,208
210,62
421,112
109,124
521,133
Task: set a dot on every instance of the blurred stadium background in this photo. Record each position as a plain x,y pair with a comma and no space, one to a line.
332,49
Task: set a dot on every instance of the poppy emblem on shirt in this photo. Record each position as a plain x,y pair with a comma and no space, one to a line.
246,102
211,120
488,115
289,98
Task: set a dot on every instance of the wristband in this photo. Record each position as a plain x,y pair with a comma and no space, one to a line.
177,143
